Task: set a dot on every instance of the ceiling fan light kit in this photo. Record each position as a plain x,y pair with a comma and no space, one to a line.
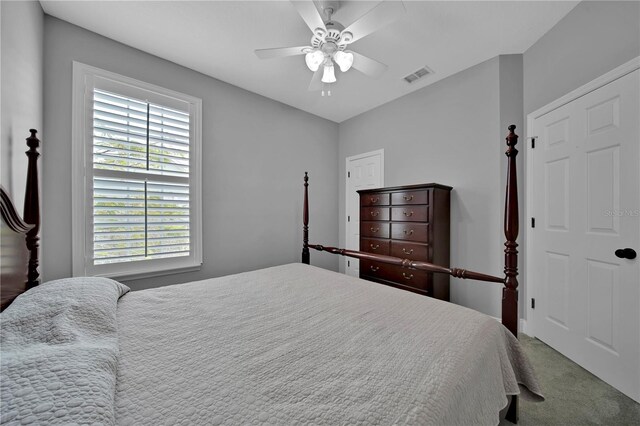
329,75
330,39
314,59
344,60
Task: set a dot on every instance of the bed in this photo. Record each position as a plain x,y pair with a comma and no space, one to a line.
291,344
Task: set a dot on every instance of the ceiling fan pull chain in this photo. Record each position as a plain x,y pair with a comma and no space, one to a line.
324,91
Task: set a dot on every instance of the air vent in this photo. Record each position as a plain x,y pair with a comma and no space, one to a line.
418,74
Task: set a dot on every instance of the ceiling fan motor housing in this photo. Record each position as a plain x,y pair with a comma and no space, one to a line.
334,34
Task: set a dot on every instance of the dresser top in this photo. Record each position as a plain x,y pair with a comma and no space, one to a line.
406,188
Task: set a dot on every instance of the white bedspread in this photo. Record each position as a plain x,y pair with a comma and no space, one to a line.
297,344
60,353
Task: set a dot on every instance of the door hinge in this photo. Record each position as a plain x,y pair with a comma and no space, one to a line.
533,222
533,141
533,303
348,174
348,263
348,218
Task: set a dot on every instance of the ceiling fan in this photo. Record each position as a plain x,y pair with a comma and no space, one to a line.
330,40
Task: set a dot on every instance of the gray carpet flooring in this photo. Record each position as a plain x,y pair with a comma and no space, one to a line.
573,395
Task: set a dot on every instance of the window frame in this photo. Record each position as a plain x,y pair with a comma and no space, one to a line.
85,79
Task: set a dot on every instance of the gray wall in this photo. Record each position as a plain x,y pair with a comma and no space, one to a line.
452,133
594,38
254,153
21,97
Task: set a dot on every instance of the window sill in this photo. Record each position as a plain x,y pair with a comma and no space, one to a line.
130,276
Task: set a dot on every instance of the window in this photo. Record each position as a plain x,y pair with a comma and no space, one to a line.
136,202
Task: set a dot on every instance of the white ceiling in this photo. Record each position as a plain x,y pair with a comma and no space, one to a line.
218,38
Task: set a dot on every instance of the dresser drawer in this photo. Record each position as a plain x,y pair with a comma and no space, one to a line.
374,200
410,214
374,245
413,251
374,213
397,274
371,268
410,232
409,277
374,229
410,197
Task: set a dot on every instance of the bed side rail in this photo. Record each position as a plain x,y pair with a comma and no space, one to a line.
411,264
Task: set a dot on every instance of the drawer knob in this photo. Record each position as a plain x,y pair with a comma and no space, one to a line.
408,214
375,200
375,213
376,247
374,268
405,251
374,229
409,198
407,277
409,232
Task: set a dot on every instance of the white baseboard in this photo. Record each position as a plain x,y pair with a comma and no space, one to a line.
521,328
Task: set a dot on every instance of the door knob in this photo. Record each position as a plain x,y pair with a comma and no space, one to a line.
626,253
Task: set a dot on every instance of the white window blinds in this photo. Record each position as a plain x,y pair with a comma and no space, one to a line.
136,177
141,196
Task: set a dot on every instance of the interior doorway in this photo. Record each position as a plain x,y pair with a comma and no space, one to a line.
364,171
584,192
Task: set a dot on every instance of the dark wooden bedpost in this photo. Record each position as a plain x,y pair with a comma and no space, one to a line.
32,208
306,257
510,291
511,225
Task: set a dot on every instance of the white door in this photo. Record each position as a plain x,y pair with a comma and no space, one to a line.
586,202
364,171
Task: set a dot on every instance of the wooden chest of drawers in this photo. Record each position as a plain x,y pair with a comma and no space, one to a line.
411,222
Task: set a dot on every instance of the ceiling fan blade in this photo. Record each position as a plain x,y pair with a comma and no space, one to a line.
281,52
368,66
380,16
316,80
309,13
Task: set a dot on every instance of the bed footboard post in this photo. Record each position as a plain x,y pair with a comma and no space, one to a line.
32,209
306,256
510,291
511,224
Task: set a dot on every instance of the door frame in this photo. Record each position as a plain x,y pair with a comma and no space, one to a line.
347,223
595,84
